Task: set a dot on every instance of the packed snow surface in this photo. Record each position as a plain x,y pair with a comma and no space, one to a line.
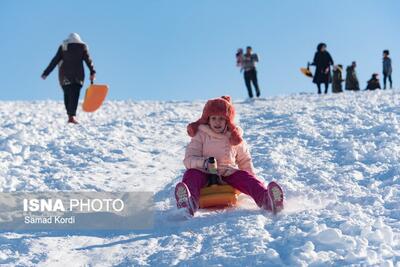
337,158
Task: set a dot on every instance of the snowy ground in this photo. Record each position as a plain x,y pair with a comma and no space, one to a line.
337,157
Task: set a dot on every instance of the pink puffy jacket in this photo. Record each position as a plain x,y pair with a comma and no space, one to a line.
207,143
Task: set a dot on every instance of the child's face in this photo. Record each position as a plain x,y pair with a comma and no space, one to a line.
217,123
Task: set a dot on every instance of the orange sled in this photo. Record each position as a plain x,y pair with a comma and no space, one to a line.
218,196
306,71
94,97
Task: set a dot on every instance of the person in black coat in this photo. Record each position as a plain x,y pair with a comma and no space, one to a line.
373,83
69,58
322,61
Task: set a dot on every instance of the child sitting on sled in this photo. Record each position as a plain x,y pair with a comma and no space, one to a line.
215,135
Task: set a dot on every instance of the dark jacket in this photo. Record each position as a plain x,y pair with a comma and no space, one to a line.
373,84
70,63
351,79
322,61
337,81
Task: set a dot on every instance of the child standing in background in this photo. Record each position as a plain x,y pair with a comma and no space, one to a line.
387,68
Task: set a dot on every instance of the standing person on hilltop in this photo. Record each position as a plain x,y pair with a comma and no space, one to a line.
351,78
248,64
387,69
322,61
69,58
337,79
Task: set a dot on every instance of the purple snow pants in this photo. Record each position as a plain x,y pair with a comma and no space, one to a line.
241,180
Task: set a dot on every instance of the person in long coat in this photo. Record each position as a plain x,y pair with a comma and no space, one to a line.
322,61
337,79
351,78
70,57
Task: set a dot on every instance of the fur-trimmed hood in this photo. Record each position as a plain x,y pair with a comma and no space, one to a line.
73,38
218,107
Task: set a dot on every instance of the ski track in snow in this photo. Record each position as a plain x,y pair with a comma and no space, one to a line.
337,158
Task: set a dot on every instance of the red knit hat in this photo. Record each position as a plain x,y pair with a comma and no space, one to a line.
218,107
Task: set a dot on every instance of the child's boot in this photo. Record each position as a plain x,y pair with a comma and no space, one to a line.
184,199
273,200
275,195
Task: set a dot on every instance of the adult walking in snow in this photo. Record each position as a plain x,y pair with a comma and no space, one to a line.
351,78
247,62
387,69
322,61
69,58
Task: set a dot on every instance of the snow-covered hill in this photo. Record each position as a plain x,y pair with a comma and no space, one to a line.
337,157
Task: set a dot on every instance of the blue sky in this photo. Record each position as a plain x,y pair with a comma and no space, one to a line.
184,50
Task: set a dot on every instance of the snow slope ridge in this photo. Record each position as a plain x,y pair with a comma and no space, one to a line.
337,158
